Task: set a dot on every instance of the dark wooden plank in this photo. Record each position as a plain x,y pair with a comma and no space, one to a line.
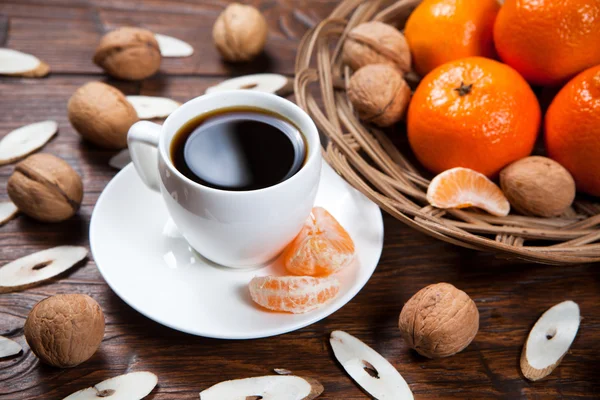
510,295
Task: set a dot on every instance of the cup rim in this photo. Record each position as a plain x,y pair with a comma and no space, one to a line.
314,149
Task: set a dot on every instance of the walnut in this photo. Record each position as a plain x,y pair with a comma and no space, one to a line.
65,330
240,32
101,114
379,94
376,43
538,186
128,53
439,321
45,188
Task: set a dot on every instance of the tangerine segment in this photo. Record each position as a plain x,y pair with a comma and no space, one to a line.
321,248
463,187
294,294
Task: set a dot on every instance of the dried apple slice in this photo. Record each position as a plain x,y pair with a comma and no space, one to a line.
16,63
9,347
25,140
271,83
549,340
270,387
148,107
8,211
131,386
282,371
368,368
120,160
38,267
173,47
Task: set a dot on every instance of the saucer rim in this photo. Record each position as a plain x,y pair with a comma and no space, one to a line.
264,334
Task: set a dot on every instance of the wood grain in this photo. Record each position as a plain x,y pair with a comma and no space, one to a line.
510,295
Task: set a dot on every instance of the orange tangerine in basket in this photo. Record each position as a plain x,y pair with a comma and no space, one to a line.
321,248
463,187
294,294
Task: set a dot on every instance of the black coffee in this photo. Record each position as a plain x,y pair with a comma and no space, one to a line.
238,149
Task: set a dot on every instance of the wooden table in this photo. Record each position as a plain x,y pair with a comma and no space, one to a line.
510,295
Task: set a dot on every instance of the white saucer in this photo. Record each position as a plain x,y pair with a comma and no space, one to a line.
146,262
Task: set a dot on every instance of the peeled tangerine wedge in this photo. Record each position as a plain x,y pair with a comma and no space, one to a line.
270,387
38,267
131,386
368,368
294,294
321,248
549,340
9,347
463,187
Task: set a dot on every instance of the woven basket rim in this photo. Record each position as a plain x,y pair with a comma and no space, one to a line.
366,158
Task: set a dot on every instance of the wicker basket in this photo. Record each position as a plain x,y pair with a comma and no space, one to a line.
368,160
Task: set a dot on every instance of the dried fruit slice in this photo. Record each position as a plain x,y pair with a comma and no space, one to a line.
270,387
173,47
295,294
9,347
463,187
16,63
148,107
549,340
8,211
271,83
368,368
321,248
131,386
25,140
282,371
120,160
38,267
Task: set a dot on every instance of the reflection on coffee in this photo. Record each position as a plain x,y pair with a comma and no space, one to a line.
239,148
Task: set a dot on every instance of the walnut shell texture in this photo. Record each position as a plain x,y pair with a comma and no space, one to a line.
65,330
128,53
439,321
379,94
240,32
101,114
538,186
45,188
376,43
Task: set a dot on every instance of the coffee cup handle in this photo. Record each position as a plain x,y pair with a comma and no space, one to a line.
142,141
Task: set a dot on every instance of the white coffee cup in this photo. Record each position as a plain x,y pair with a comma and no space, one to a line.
231,228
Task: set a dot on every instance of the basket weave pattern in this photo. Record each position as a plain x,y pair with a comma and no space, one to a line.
368,160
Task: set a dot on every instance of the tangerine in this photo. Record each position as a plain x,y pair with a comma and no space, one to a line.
294,294
572,130
548,41
321,248
439,31
475,113
463,187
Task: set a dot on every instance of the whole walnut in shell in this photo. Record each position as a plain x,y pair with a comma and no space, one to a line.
101,114
128,53
439,321
538,186
240,32
379,94
65,330
376,43
45,188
